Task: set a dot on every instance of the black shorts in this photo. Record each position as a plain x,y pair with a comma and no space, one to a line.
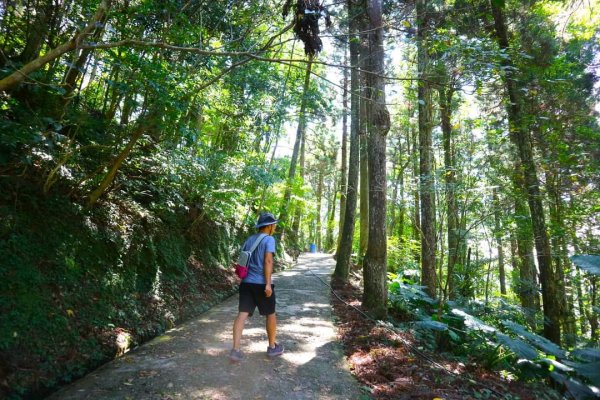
252,295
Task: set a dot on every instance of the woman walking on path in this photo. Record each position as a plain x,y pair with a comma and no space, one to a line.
257,289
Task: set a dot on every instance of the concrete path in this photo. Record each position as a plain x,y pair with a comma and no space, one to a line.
190,361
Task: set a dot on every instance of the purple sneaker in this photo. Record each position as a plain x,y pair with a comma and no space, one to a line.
275,351
236,355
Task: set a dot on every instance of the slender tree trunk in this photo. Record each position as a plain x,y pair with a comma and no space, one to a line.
283,216
498,230
319,205
428,240
331,217
395,175
591,314
375,262
296,231
9,82
578,278
142,127
402,205
344,255
74,71
521,138
416,230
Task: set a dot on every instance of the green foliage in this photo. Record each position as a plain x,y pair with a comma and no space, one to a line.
496,343
588,263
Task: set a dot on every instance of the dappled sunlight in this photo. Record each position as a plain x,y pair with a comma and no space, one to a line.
290,273
210,393
206,320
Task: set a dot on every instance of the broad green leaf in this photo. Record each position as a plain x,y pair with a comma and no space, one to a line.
589,354
576,389
433,325
518,347
590,263
473,322
540,342
589,370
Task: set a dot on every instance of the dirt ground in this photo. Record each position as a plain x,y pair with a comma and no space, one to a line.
190,361
393,365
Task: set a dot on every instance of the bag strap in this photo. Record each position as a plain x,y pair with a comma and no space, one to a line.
257,242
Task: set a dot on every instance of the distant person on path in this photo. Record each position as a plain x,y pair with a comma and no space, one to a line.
257,289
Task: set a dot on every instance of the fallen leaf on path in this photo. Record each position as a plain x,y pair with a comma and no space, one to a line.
145,374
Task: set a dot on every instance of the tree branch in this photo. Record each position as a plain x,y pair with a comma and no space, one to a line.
19,76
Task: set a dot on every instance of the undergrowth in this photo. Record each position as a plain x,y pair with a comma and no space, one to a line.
495,336
73,279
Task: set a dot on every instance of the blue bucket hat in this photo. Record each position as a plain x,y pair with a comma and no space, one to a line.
265,219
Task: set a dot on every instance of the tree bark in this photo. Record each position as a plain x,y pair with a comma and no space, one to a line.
416,228
498,229
527,287
296,233
375,262
331,216
521,138
364,182
344,166
19,76
428,239
363,132
74,71
38,31
445,96
319,205
344,255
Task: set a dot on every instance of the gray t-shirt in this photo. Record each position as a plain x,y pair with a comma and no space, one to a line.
257,260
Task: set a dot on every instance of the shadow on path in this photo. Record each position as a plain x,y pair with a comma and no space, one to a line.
190,361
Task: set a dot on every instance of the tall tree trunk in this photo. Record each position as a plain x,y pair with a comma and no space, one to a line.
428,240
344,166
364,182
299,207
527,287
365,106
9,82
319,205
38,30
560,259
344,254
521,138
283,216
416,229
375,262
396,172
445,96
